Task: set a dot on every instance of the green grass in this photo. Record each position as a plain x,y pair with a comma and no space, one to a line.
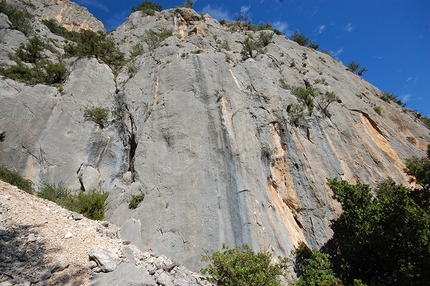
90,204
15,178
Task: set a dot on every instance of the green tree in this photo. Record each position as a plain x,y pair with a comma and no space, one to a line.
419,168
188,4
243,267
313,268
382,239
148,7
20,19
32,51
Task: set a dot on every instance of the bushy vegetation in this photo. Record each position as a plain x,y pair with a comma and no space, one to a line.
91,204
313,267
378,109
135,201
355,68
149,8
188,4
384,239
153,39
20,19
89,43
252,47
242,267
99,115
15,178
388,96
302,40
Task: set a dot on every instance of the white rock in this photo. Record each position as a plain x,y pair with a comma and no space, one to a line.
68,235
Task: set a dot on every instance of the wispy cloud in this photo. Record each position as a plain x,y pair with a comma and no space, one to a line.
338,52
349,28
93,3
244,9
217,12
409,79
320,29
406,98
283,27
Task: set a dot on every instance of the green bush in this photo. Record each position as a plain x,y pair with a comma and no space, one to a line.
32,51
306,96
378,110
382,236
91,204
89,43
97,114
264,38
296,113
43,71
148,8
388,96
354,66
188,4
313,268
302,40
243,267
20,19
15,178
153,39
135,201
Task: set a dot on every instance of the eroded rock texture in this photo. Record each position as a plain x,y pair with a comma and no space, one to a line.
208,137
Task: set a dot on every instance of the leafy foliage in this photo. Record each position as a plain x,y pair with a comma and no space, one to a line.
243,267
135,201
354,67
188,4
148,7
89,43
313,267
91,204
153,39
15,178
302,40
20,19
378,109
383,240
97,114
32,51
388,96
419,168
325,100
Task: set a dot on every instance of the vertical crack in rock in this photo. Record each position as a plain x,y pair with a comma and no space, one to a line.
133,146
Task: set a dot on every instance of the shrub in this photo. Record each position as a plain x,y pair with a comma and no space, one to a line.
412,140
313,268
2,136
188,4
325,100
32,51
91,204
153,39
302,40
264,38
388,96
20,19
296,113
306,96
354,66
425,120
97,114
148,7
55,72
249,47
58,194
15,178
135,201
382,236
242,267
378,110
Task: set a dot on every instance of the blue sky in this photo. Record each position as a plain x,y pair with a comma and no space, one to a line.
391,38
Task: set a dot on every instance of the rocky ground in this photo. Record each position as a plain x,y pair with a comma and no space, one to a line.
42,243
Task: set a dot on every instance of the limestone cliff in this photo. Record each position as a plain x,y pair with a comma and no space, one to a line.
208,137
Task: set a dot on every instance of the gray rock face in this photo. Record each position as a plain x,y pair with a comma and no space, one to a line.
209,142
106,260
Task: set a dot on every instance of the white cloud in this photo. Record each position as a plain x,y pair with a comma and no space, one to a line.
283,27
244,9
338,52
217,12
409,79
320,29
405,98
93,3
349,28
